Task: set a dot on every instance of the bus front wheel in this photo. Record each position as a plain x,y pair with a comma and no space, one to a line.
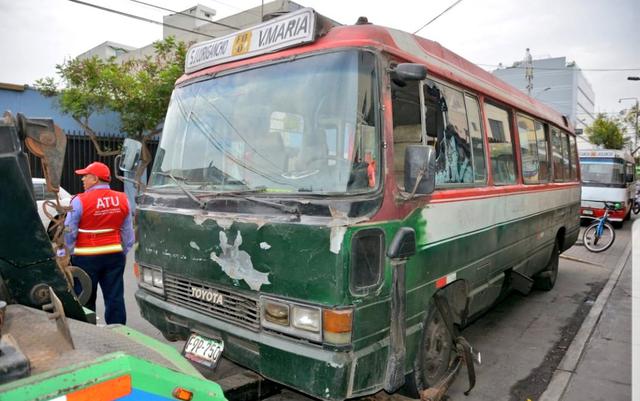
437,349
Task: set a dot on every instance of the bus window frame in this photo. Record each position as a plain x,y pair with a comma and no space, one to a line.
575,157
547,138
519,114
553,164
516,155
566,140
465,92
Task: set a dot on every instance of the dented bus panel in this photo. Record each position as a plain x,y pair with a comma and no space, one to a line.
291,220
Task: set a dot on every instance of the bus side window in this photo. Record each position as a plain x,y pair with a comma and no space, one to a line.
556,146
503,162
407,124
477,140
544,163
446,120
566,156
574,158
528,150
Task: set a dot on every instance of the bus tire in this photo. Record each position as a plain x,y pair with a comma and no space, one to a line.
545,280
437,349
171,337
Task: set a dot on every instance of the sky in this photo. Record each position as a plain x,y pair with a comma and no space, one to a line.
35,35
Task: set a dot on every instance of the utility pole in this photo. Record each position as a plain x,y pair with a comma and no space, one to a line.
528,71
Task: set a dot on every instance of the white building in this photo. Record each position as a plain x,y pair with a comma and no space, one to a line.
559,84
199,20
107,50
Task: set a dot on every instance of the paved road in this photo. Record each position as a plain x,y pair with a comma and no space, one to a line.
522,339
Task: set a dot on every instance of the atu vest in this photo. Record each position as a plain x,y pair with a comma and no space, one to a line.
103,211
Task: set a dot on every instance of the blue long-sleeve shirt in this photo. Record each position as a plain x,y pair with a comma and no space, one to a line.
72,221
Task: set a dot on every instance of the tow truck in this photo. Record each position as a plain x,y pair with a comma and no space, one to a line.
57,353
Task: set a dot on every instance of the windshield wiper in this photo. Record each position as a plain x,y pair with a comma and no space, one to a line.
244,195
190,194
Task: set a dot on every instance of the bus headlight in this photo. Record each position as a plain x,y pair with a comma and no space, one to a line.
276,312
306,318
151,279
329,326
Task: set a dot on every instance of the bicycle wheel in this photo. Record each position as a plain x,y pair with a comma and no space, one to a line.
636,207
596,243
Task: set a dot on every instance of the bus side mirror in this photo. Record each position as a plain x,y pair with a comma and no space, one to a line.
630,178
404,72
403,244
130,155
419,169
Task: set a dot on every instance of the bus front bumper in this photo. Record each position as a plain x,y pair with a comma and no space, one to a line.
596,213
309,368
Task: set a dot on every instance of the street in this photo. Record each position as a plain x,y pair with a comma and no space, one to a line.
522,339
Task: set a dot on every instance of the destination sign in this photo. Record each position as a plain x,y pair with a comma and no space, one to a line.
279,33
599,153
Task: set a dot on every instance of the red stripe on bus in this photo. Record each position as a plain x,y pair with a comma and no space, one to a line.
492,192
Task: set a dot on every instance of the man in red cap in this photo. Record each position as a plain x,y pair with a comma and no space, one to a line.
99,233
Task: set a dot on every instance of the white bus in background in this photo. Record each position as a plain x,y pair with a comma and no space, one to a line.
607,175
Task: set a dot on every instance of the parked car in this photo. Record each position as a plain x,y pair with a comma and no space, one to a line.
41,194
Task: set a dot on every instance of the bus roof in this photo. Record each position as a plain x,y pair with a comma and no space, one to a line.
439,61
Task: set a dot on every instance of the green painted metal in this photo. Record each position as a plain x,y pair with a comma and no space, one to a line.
300,266
167,351
312,273
145,376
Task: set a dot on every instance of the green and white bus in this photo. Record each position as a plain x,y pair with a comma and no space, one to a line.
325,198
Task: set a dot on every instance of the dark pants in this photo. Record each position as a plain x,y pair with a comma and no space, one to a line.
106,270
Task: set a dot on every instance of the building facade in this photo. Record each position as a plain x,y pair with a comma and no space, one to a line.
199,20
28,101
107,50
559,84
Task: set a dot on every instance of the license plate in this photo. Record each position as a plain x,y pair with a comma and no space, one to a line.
205,351
587,212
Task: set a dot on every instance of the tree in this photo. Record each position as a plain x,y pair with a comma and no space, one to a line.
606,132
138,90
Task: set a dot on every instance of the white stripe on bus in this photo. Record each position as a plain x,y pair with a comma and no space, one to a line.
454,219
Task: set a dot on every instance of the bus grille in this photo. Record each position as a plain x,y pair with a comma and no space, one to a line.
235,308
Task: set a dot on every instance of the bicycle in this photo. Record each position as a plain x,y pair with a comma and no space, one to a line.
599,235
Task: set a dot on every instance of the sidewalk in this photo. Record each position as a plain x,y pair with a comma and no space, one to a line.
597,365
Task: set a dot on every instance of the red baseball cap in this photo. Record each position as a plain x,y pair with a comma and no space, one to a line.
98,169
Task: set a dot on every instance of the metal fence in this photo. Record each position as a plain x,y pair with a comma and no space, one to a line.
80,152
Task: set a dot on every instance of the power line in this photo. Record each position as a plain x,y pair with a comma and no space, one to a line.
238,8
561,69
139,18
438,16
183,13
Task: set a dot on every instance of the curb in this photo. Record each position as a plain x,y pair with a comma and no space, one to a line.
565,370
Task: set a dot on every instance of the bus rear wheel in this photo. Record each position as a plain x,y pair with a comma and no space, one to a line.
437,349
546,279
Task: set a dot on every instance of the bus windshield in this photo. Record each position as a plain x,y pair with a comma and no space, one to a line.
608,172
306,125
